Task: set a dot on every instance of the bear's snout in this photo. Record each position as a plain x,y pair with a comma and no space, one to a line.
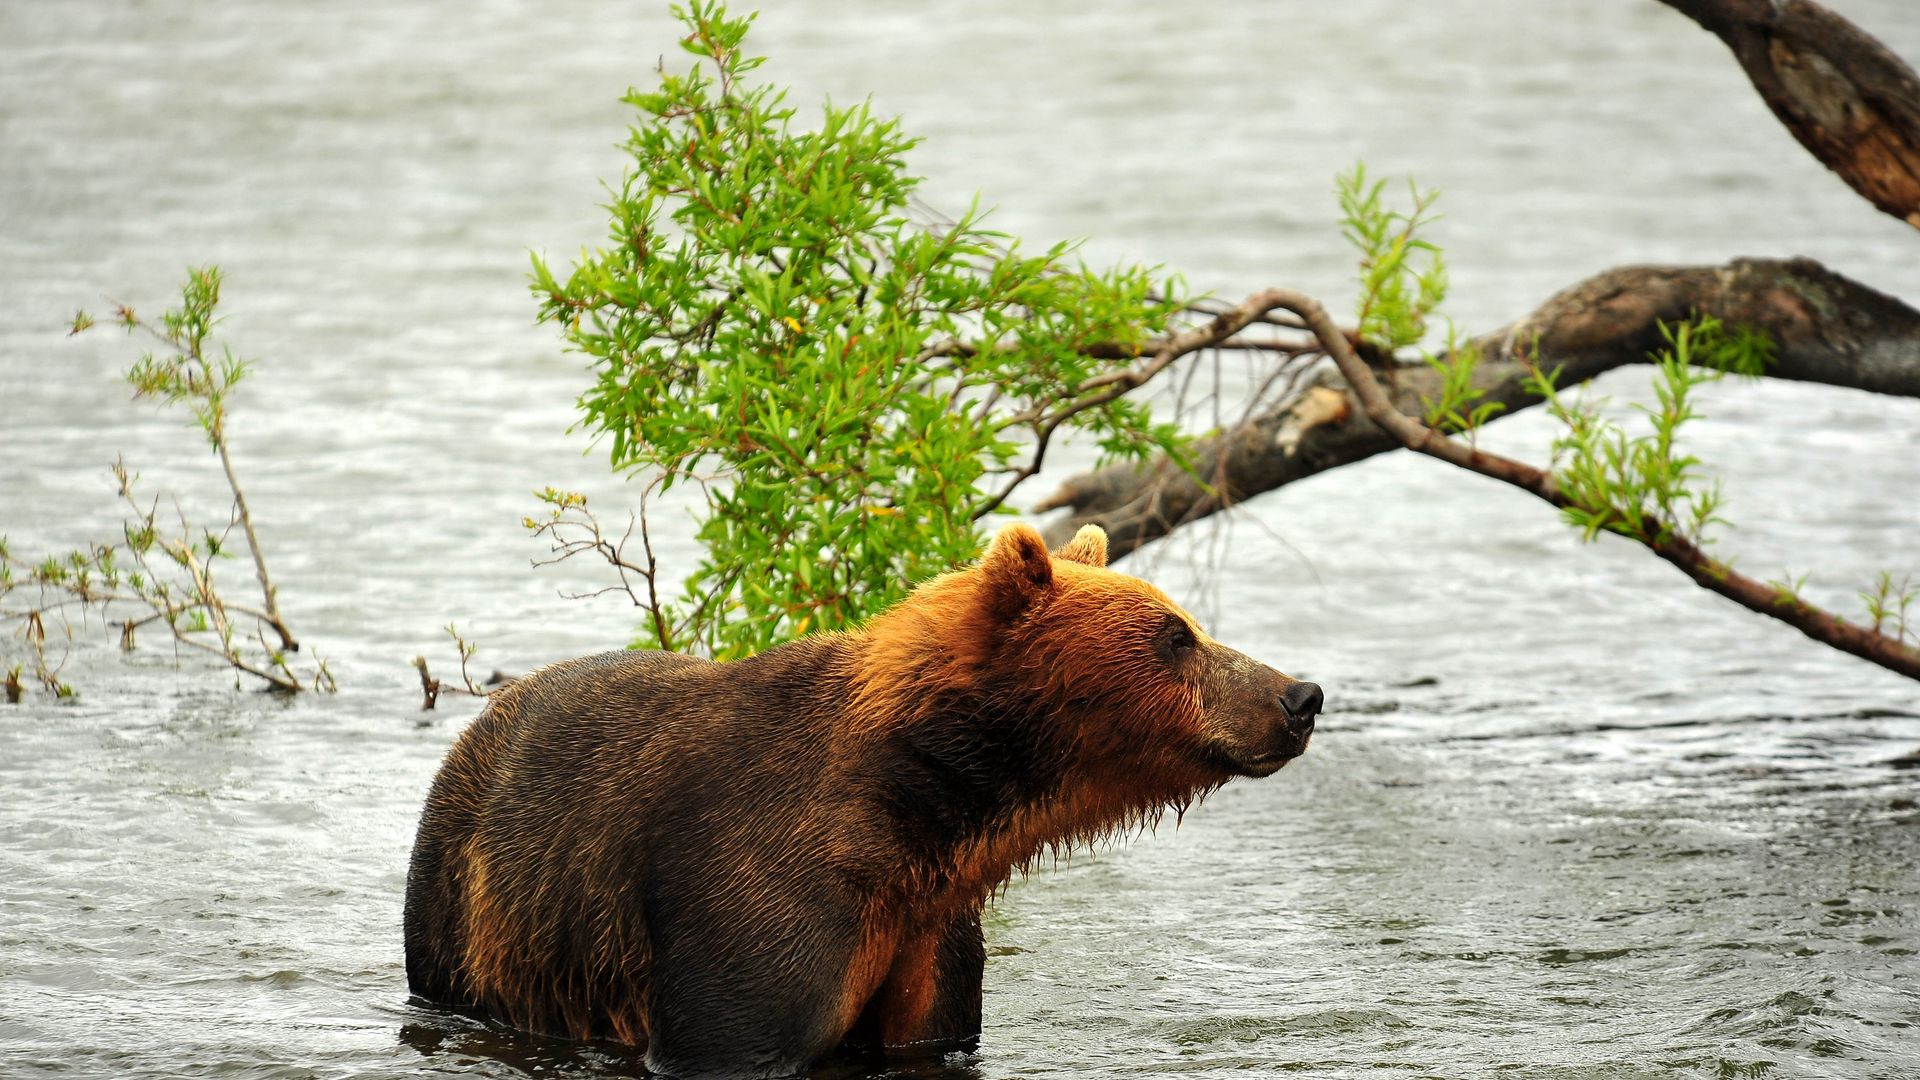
1301,702
1259,718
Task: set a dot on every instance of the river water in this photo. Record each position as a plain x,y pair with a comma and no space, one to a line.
1567,816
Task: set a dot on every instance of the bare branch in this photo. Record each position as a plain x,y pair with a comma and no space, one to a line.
1102,389
429,686
270,596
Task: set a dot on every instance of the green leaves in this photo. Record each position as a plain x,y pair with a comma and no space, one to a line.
1888,602
847,389
1644,487
1403,279
1458,408
179,590
184,371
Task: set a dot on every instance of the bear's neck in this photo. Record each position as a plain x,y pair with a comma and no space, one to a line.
980,782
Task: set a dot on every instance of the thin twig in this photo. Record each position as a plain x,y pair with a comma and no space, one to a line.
1101,389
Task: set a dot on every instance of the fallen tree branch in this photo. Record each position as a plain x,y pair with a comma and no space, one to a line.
1102,389
1663,539
1827,328
1850,101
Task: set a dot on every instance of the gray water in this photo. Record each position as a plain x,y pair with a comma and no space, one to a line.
1568,816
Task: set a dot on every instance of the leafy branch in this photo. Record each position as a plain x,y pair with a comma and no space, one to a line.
856,386
1631,489
184,372
1403,277
1644,487
166,573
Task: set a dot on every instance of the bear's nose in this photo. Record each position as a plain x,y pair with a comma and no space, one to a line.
1302,702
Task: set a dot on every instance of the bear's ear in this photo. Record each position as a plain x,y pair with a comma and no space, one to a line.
1017,569
1088,547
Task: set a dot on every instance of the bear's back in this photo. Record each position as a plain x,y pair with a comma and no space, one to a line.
583,788
622,744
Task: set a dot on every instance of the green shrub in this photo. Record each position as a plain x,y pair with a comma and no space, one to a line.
849,389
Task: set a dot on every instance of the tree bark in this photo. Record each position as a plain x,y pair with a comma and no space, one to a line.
1850,101
1827,328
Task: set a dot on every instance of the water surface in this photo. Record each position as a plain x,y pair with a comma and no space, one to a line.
1567,816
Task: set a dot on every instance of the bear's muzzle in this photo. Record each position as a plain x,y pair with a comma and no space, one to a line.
1260,719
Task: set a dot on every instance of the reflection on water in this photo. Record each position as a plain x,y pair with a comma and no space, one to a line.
450,1043
1566,817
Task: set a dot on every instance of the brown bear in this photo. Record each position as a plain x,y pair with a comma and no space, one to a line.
743,866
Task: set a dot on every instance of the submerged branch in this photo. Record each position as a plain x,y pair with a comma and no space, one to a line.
269,595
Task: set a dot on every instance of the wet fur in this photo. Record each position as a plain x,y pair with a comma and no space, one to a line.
742,866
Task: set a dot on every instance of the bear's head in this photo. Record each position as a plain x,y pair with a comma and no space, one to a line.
1113,645
1148,699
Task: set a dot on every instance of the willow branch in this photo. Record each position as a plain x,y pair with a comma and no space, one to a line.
1666,541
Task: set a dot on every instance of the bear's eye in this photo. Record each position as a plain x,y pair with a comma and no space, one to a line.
1179,639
